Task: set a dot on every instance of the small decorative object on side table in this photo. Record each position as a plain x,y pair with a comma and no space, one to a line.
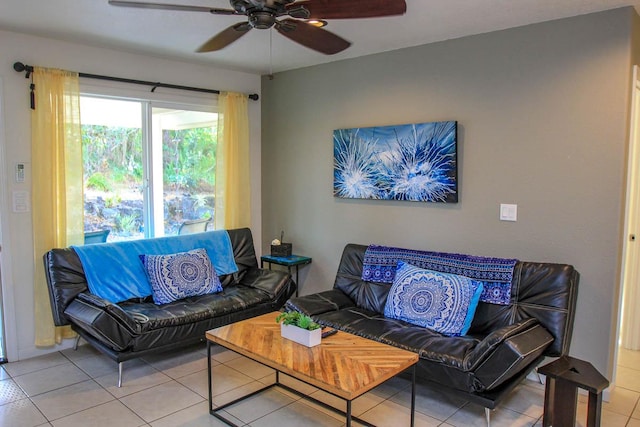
289,261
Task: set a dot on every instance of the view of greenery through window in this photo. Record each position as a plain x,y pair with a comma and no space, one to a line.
114,168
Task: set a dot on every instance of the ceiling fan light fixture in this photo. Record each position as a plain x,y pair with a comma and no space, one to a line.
317,22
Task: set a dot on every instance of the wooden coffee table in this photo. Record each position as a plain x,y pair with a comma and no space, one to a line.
343,365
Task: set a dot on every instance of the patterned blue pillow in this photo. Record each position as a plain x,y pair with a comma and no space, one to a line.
184,274
443,302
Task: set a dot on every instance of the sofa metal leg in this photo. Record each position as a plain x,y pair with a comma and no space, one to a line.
487,414
120,374
75,344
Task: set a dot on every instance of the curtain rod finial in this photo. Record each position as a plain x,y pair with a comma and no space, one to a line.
19,66
254,97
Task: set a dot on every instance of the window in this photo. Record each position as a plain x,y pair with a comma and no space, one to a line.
147,167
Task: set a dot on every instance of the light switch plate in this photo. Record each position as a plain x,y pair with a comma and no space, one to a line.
21,201
508,212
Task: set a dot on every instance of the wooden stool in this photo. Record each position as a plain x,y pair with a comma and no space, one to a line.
564,376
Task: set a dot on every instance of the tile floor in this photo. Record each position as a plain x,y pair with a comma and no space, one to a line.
78,388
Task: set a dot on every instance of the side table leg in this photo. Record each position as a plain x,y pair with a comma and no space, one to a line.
348,413
297,279
549,392
594,410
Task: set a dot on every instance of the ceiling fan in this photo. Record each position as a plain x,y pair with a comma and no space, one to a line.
263,14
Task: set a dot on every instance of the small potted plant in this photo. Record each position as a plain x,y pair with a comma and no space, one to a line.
300,328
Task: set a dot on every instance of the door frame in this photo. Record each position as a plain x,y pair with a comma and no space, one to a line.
6,292
630,251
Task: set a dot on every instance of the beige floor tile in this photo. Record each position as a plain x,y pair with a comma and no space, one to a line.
636,412
224,379
628,358
390,414
99,365
48,379
430,402
297,415
21,413
221,354
473,415
392,387
628,378
259,405
71,399
297,385
35,364
134,379
633,422
161,400
179,364
608,419
4,375
194,416
525,400
249,367
110,414
10,391
358,406
239,392
83,350
621,401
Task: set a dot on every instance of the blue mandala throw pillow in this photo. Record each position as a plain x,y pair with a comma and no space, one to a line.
176,276
443,302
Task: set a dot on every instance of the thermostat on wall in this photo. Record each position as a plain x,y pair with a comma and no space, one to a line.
20,172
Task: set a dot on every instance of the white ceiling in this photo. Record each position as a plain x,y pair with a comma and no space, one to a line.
176,35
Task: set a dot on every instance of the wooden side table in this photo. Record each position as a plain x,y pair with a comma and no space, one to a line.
287,261
564,376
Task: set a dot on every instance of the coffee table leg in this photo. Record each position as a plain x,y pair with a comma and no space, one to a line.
348,413
413,394
209,375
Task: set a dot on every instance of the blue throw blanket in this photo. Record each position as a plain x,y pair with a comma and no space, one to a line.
114,270
380,263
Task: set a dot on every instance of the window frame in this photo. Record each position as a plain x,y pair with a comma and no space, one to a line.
148,101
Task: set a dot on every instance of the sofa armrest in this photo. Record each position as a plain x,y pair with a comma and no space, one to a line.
506,351
102,319
319,303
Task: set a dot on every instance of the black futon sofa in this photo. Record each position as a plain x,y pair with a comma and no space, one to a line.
504,343
138,327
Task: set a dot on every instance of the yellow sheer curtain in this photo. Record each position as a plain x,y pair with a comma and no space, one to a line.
56,159
233,192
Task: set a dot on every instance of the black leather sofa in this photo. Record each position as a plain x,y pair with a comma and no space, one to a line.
504,343
135,328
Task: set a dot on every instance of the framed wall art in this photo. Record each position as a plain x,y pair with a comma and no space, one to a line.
415,162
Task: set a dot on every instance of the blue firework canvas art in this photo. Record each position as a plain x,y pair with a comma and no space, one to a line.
416,162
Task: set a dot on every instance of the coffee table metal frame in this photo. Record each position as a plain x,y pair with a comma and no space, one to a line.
214,411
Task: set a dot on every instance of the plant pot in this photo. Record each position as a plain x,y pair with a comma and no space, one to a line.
301,336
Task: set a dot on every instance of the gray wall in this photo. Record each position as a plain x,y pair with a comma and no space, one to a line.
542,115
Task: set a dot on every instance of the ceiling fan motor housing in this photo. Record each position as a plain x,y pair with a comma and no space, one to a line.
262,19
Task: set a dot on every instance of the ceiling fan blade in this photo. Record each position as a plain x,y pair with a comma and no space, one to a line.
346,9
225,37
312,37
165,6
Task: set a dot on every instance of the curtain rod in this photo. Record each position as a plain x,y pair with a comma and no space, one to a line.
28,69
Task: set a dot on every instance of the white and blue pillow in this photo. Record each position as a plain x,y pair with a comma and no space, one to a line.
443,302
180,275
